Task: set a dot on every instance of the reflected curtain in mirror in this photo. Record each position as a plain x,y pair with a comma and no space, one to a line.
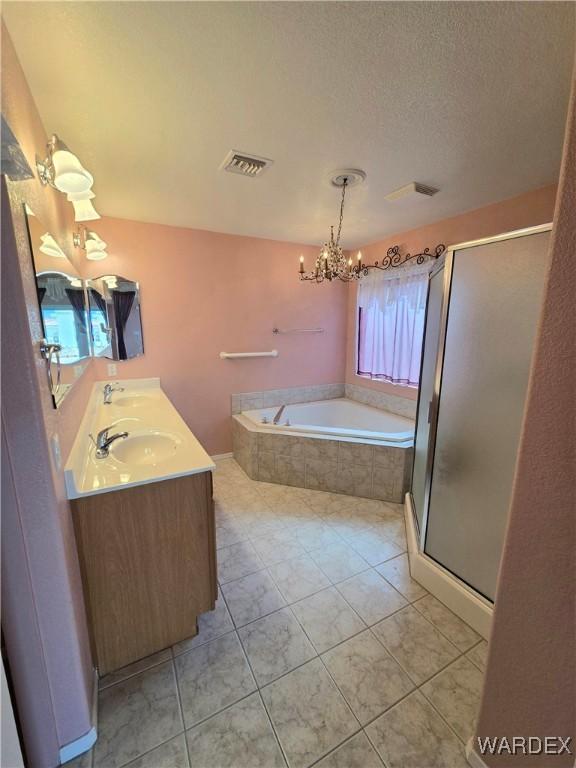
123,302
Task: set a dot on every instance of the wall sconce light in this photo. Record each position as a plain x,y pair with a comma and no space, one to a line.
94,246
62,170
83,208
75,282
50,247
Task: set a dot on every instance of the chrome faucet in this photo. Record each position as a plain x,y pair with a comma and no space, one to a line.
107,392
276,418
103,441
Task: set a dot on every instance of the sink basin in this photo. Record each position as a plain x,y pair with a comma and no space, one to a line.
133,401
147,448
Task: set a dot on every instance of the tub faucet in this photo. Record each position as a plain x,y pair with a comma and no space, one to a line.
107,392
276,418
103,441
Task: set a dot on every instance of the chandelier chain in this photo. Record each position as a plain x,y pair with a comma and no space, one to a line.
345,182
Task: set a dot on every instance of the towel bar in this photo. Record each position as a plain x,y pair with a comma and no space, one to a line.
276,331
234,355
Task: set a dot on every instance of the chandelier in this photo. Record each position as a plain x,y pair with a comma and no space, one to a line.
332,264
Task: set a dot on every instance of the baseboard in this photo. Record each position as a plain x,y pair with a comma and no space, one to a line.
220,456
86,742
473,757
473,609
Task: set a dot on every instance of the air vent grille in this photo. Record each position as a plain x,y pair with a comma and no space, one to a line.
409,190
245,164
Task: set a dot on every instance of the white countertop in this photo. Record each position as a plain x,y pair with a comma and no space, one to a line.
142,409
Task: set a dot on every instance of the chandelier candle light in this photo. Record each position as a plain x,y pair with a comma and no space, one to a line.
331,263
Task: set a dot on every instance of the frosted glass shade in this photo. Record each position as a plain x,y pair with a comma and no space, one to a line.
95,247
69,175
96,255
50,247
84,210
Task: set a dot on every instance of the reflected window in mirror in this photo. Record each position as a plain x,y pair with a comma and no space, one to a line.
63,308
115,319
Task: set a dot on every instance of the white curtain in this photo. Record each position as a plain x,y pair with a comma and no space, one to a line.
392,310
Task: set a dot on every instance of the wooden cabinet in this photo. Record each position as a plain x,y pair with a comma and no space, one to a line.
148,562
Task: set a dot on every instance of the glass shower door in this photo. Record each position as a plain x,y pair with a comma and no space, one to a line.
495,298
426,392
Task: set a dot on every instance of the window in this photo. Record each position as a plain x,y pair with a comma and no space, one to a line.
391,314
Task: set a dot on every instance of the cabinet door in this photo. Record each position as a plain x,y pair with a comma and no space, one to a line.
148,564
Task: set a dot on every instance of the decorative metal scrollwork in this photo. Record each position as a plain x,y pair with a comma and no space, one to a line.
394,258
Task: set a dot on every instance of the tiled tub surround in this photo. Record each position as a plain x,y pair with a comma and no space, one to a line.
386,402
370,469
321,651
248,401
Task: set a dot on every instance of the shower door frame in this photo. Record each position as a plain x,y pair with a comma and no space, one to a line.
447,264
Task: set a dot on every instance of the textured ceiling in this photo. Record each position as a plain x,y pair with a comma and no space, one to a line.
468,97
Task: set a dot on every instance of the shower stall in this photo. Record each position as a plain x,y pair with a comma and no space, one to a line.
484,300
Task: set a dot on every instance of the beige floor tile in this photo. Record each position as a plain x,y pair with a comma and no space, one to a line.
338,561
452,627
212,677
327,618
374,547
367,675
357,752
478,655
238,560
298,578
252,597
309,714
371,596
397,572
455,692
211,624
239,737
136,715
275,645
171,754
413,735
277,547
415,643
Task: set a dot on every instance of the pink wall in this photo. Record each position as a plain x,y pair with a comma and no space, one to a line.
530,684
203,293
31,424
526,210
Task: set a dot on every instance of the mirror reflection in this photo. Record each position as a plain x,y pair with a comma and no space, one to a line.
115,321
63,309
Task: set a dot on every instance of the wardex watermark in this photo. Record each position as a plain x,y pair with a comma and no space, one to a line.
524,745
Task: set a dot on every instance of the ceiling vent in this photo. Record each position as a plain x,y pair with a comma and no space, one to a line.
245,164
409,190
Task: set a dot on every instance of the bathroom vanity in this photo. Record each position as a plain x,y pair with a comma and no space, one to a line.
144,521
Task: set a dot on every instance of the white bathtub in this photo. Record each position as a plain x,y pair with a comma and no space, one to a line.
337,418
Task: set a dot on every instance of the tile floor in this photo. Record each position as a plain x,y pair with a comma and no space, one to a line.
321,651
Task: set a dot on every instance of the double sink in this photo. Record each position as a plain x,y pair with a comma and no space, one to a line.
158,445
142,446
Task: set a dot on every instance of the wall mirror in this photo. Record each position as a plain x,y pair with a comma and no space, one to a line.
63,309
115,322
